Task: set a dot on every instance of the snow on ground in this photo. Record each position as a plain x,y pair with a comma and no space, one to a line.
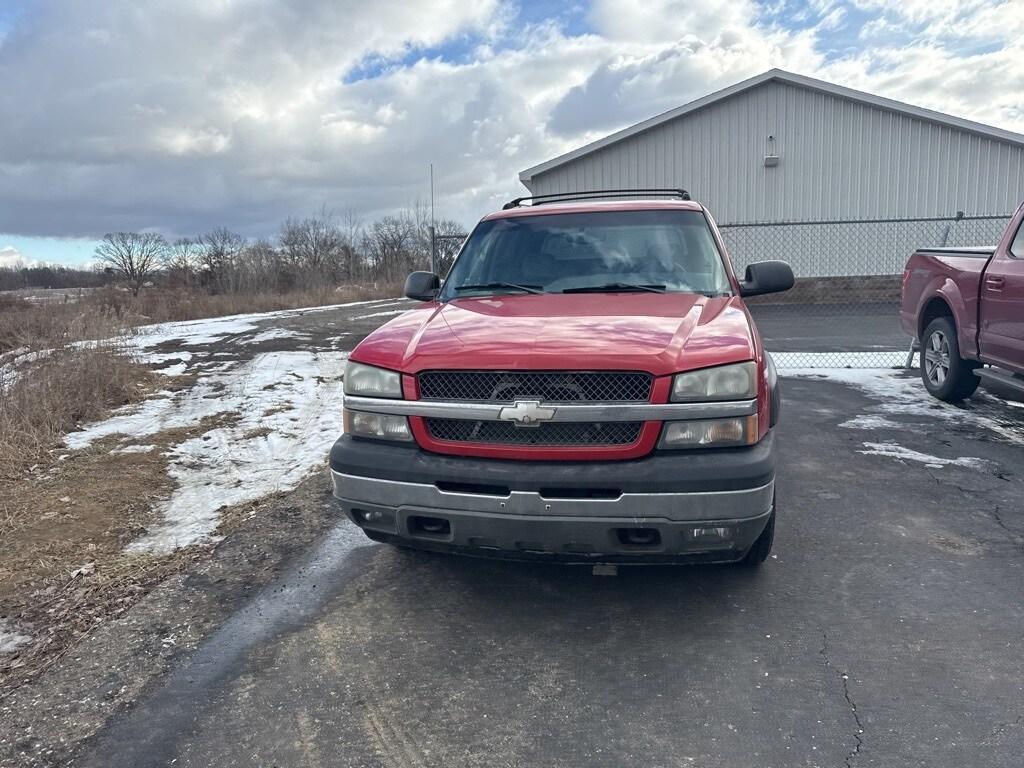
211,330
897,451
282,413
12,360
135,449
901,402
10,640
279,413
275,333
868,421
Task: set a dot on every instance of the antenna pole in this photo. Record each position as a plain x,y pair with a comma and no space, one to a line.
433,230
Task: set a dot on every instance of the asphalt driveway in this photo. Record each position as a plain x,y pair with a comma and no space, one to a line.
885,631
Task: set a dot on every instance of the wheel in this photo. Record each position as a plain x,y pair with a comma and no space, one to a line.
761,548
945,374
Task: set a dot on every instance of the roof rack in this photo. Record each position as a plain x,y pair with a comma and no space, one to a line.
595,194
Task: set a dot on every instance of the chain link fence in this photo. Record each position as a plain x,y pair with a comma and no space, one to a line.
843,311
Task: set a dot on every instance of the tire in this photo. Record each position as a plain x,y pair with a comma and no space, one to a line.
945,374
761,548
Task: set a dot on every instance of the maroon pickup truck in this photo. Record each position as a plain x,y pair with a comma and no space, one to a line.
966,308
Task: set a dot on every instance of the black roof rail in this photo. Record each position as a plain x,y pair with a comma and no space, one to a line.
595,194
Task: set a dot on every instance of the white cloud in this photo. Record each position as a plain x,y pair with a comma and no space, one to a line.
187,115
10,257
665,21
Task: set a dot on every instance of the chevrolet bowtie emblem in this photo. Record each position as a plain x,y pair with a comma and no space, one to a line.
526,413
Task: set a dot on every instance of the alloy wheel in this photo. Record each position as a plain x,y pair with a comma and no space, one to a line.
936,358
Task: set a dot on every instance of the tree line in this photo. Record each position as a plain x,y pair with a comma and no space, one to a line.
307,253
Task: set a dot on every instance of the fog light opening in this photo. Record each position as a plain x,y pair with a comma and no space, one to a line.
712,534
639,537
429,526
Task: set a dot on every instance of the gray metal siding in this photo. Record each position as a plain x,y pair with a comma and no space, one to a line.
839,160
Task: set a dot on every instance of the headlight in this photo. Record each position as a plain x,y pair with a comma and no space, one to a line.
725,382
712,433
368,381
380,425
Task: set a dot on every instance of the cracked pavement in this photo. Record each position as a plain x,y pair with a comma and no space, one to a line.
885,631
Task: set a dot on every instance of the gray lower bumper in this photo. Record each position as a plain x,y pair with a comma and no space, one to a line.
632,524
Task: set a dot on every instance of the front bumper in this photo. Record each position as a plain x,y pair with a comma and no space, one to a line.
692,505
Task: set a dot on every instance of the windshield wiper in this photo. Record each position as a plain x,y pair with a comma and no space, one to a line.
612,287
496,286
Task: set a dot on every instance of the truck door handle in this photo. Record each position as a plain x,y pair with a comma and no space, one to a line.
994,283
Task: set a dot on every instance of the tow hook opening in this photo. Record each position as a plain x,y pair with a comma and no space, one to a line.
639,538
434,527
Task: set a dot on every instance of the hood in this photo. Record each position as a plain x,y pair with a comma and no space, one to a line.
657,333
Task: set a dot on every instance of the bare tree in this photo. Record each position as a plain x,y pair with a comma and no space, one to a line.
351,237
391,246
220,248
449,236
314,246
259,269
182,259
135,256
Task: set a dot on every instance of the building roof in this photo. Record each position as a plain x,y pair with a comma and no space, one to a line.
777,75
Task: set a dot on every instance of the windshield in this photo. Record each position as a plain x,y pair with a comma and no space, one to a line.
601,251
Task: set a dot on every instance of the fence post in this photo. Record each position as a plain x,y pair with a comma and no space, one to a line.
433,249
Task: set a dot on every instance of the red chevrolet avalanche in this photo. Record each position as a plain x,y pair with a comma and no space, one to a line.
585,385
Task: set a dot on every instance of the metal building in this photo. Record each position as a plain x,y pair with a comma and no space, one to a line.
784,147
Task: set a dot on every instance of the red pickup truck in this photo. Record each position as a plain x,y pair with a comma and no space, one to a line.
965,306
586,385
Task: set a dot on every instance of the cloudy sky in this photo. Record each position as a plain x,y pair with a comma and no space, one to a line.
181,115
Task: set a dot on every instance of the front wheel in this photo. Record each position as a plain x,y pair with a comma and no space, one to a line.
945,374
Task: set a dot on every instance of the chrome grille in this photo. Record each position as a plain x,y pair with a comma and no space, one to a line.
545,386
552,434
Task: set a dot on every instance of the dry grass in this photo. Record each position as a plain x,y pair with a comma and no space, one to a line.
34,327
52,395
64,527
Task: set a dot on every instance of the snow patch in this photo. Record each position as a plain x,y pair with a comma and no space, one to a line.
274,333
897,451
183,356
287,413
194,333
10,640
870,422
134,449
173,370
289,405
210,330
900,393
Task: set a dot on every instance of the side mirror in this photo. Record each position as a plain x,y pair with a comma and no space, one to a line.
767,277
422,286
